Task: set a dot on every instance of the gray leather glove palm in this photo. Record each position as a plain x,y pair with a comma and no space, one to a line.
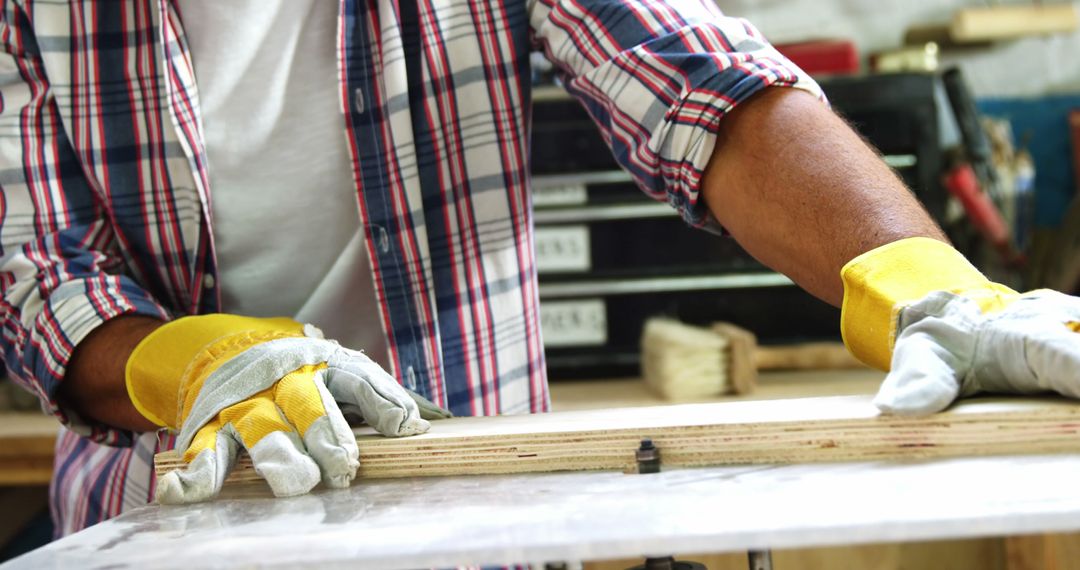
946,348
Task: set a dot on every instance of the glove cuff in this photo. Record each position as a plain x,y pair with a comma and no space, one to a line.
881,282
156,370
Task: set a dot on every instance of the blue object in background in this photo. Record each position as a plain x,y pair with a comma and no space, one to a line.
1043,124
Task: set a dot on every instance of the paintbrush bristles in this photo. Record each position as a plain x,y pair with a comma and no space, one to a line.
682,362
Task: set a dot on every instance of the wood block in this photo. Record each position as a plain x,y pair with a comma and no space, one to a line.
771,432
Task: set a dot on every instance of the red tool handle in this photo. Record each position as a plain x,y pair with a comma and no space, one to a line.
964,186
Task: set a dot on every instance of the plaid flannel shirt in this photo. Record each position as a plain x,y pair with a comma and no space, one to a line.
105,203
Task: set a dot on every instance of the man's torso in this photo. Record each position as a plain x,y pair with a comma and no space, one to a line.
436,131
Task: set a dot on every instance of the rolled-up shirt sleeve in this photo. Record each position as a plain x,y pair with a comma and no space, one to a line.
61,270
658,77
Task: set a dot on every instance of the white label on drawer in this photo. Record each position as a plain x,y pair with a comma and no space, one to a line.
573,323
563,248
559,195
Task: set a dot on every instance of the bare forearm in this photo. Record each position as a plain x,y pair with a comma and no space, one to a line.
93,385
803,193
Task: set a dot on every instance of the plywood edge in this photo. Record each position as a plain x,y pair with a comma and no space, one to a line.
781,431
747,413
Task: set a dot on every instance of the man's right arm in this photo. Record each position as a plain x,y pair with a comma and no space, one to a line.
94,385
59,257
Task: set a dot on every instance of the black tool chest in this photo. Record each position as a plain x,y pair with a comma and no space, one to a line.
609,257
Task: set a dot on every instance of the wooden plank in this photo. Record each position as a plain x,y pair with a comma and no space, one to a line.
1007,22
774,432
26,472
1043,552
27,442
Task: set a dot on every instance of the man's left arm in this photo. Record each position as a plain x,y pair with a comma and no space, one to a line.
689,115
658,79
804,194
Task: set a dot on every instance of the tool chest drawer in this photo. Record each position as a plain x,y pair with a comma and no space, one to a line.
635,247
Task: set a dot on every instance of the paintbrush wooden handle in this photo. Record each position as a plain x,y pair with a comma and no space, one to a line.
811,355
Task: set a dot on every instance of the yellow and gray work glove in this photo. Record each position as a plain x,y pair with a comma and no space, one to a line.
948,332
273,386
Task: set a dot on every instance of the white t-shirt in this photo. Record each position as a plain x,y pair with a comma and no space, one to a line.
286,220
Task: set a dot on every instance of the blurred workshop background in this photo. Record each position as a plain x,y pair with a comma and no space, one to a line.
976,105
977,109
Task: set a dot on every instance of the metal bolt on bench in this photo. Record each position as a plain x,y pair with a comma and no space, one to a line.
648,461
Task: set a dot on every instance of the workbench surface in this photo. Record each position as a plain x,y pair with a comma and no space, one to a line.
587,516
440,522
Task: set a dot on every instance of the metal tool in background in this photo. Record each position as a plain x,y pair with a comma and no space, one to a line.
962,181
976,143
972,177
760,559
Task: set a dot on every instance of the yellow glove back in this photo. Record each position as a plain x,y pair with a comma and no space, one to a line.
950,332
225,381
881,282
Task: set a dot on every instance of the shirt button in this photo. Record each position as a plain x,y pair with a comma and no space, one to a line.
384,240
208,281
410,378
358,100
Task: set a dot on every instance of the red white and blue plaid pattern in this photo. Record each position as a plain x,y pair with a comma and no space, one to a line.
105,203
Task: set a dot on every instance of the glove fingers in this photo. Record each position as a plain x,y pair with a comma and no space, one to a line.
279,459
1054,358
210,457
307,404
274,446
1067,306
428,409
385,385
924,376
388,417
384,404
